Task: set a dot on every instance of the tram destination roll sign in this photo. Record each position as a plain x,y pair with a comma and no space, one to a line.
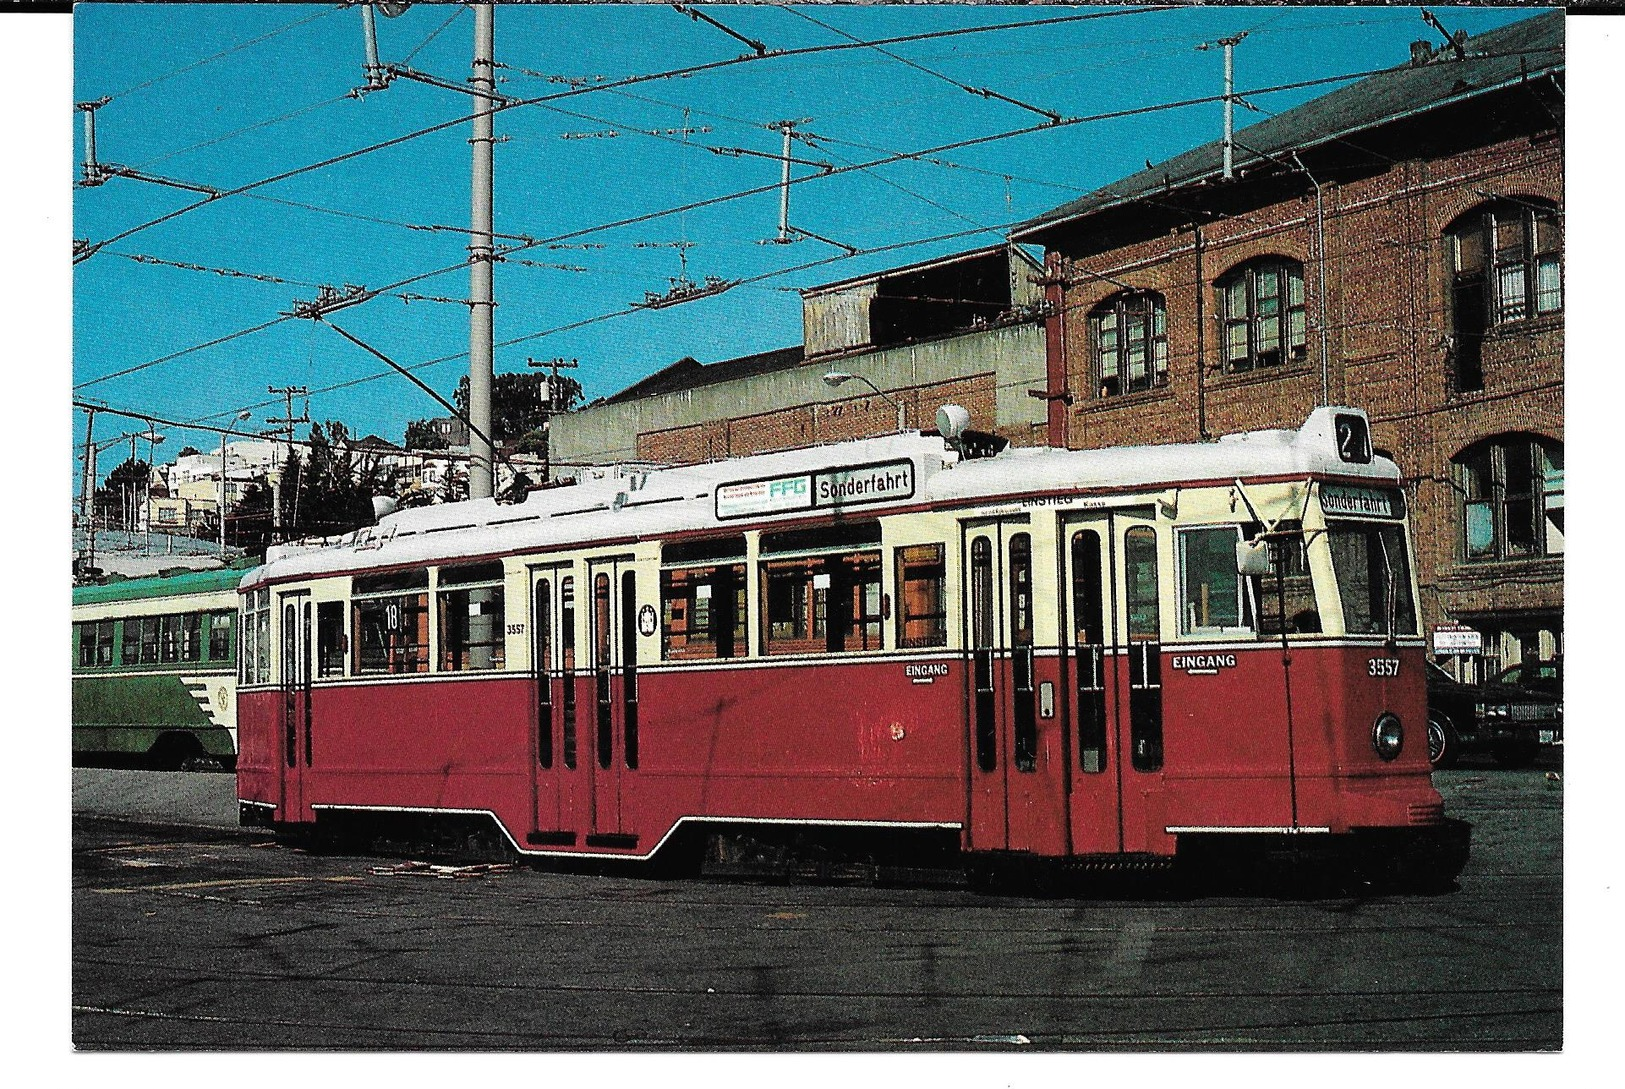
1346,501
839,487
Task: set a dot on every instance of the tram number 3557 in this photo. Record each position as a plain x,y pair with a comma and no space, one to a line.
1382,667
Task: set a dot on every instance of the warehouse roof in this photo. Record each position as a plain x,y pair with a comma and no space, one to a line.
1526,50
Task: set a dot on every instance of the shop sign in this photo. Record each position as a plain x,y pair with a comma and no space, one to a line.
1457,639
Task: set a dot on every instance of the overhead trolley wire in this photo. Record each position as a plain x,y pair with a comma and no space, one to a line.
233,134
676,73
267,36
531,243
457,11
983,92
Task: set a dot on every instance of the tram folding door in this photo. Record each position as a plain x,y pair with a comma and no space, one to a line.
296,747
1017,754
559,787
612,614
1112,649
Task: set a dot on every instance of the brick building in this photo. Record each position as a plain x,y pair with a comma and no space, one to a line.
964,328
1395,245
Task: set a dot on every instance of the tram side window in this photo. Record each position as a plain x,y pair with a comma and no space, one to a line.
255,662
180,637
95,643
703,612
220,637
330,639
471,617
141,639
922,612
1294,596
391,626
1210,591
825,602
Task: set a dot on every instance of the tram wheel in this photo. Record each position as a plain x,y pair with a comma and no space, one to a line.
1441,742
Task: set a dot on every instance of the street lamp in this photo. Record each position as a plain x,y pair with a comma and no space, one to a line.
835,378
241,416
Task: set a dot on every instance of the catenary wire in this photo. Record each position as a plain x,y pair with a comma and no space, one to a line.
589,89
228,52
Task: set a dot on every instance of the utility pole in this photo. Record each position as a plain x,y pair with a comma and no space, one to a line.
243,415
153,439
285,428
554,365
481,482
87,487
1230,103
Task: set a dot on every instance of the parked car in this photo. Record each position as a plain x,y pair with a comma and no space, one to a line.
1535,673
1509,721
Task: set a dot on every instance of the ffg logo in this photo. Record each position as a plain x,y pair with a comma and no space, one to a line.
789,486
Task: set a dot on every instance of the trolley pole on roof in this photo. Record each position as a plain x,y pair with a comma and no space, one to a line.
481,483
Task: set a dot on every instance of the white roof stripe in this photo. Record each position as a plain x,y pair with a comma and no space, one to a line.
660,502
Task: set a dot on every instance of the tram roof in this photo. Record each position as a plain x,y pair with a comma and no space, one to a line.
175,584
626,504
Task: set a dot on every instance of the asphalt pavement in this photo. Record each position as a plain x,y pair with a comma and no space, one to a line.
191,935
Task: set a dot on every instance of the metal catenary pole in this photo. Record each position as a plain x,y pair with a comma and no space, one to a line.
481,483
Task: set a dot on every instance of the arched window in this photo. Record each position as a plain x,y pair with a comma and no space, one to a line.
1129,332
1506,266
1261,307
1512,498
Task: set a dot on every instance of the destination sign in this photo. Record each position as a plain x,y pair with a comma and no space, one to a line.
772,496
867,484
1348,501
803,491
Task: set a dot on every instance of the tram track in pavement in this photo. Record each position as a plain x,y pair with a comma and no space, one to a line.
202,947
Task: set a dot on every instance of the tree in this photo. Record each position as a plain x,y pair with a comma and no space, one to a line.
121,496
248,524
519,403
336,494
423,435
188,451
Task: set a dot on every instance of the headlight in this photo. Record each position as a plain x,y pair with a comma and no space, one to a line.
1388,735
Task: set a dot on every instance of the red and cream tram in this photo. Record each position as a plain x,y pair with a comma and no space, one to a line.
1085,655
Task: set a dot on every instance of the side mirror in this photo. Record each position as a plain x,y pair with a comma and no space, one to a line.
1252,558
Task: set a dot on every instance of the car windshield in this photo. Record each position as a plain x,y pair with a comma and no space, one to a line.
1373,577
1528,673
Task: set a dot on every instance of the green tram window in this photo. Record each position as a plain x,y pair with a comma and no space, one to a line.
220,636
95,644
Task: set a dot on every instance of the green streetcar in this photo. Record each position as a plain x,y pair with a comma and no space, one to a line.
155,671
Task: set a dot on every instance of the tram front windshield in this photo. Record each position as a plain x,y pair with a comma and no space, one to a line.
1373,577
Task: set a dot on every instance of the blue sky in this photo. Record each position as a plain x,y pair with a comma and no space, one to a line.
195,98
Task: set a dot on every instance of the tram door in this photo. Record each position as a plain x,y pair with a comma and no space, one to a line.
1017,753
559,783
1109,566
296,747
612,616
